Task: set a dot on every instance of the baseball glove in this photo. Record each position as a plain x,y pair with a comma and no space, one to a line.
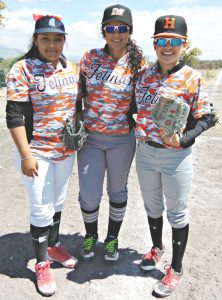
74,139
170,113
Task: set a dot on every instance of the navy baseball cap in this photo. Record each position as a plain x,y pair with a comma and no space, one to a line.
170,25
47,24
118,12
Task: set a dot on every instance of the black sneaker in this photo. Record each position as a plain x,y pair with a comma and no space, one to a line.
111,249
88,249
150,259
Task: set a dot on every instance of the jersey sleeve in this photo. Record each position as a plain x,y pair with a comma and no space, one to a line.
17,84
200,105
19,110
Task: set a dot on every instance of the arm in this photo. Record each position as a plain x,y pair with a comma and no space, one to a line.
29,164
200,125
193,130
19,116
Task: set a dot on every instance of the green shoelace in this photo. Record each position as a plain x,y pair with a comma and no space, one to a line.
89,243
111,246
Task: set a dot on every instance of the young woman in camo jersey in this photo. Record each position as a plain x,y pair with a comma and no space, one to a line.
108,78
163,162
41,94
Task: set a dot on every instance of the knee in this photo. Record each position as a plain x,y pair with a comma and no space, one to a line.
118,197
42,216
179,219
89,203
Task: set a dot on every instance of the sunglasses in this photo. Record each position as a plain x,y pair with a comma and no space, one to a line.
119,28
175,42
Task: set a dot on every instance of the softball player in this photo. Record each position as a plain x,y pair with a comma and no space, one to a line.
164,163
41,94
108,80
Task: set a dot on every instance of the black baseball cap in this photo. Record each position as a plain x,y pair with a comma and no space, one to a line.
170,25
118,12
48,24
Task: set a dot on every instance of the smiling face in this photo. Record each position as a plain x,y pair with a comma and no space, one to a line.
169,56
50,46
116,41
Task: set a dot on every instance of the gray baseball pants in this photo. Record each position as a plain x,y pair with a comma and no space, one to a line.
165,177
104,153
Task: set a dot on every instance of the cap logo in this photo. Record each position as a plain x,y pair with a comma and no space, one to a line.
52,22
117,11
169,23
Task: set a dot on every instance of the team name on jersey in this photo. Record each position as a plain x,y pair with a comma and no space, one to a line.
55,82
107,75
148,95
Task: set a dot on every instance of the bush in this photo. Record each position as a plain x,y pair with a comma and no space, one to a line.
6,64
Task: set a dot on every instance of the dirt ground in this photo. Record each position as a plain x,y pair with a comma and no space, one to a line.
124,281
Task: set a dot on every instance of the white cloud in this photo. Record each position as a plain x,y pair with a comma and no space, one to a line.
203,28
203,25
82,36
26,1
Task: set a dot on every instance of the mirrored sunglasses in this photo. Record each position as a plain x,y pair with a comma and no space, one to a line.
175,42
119,28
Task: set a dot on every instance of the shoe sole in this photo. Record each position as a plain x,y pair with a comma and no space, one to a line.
156,292
147,268
89,257
110,260
45,293
63,264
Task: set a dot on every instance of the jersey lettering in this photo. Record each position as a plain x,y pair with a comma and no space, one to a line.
41,86
148,97
107,76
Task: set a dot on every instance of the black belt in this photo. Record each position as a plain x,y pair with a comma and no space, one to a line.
154,144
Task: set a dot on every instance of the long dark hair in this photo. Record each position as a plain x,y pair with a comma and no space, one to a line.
33,51
135,54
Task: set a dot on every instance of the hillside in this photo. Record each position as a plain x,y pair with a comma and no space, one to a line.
6,52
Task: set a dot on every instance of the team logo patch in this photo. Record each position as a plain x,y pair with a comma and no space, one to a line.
117,11
52,22
169,23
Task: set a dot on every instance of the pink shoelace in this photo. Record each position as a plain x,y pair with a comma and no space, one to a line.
170,280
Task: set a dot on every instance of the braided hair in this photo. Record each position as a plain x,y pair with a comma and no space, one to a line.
135,54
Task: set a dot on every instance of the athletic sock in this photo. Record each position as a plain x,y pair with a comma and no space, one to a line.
179,240
54,230
156,228
91,221
116,215
40,241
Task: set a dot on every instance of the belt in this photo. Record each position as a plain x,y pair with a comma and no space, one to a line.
154,144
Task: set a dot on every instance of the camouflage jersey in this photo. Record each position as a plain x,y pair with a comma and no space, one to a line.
53,95
182,82
108,94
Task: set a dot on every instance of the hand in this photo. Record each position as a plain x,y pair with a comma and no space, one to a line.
170,140
30,166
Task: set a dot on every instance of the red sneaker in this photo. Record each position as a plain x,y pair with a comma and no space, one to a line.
58,253
45,282
170,281
150,259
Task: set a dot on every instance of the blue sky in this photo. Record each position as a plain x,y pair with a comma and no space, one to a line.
82,21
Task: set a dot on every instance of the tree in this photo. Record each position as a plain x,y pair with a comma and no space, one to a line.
190,55
2,7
